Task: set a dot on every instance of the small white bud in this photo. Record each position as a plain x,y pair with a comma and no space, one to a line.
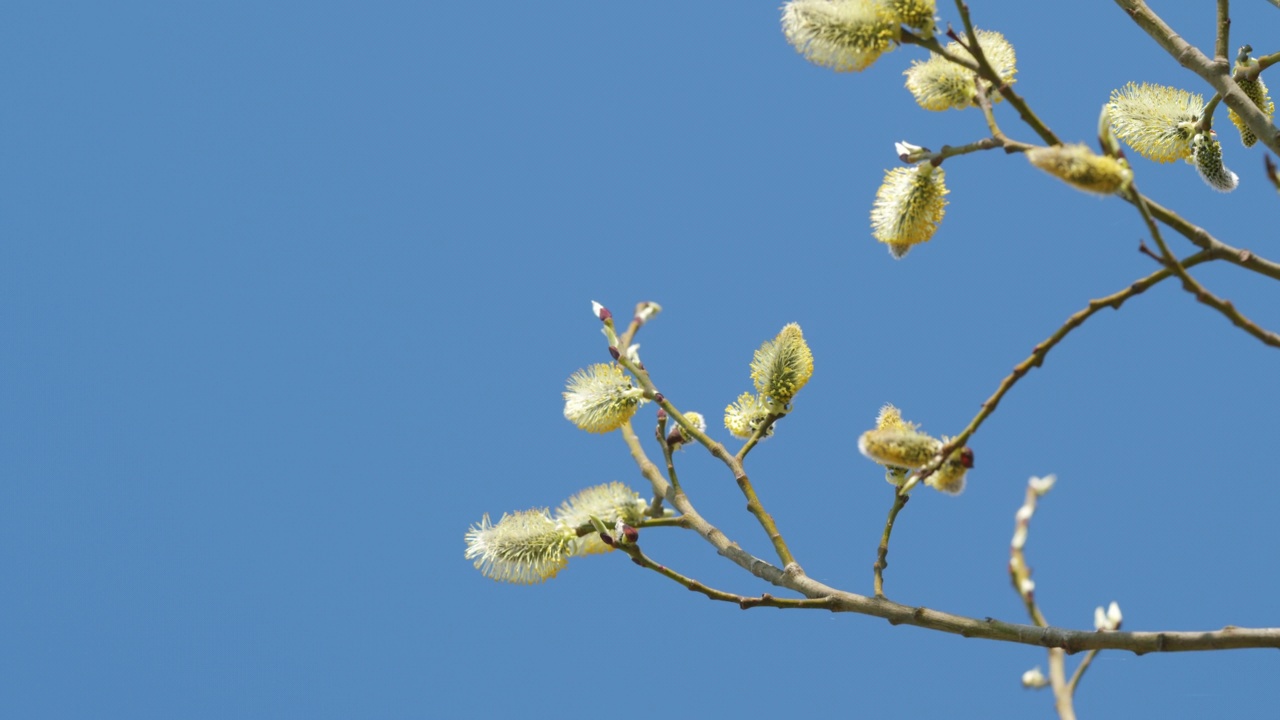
1102,619
1041,485
1027,586
596,309
1034,679
1024,513
909,153
648,312
1113,615
633,354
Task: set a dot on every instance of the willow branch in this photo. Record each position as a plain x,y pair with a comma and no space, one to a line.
900,499
989,74
1223,42
1036,359
1197,290
1079,673
793,578
754,506
1201,238
1214,72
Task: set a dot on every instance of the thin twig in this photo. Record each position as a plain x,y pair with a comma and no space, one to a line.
900,499
990,74
1202,239
1079,673
1192,286
754,506
743,601
1036,359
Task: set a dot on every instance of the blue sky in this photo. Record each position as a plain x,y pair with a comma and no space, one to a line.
289,292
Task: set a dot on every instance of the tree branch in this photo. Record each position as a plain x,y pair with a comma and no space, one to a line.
793,578
1216,73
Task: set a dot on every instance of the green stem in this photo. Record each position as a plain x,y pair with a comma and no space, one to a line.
900,499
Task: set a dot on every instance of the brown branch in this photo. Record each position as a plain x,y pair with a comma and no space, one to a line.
1214,72
754,506
1223,41
900,499
1194,287
793,578
1036,359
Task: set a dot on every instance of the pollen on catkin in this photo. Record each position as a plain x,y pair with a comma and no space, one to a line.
1206,155
600,398
1257,91
523,548
899,448
782,366
890,418
695,419
949,477
608,503
743,416
939,84
1081,168
844,35
1157,121
916,14
908,207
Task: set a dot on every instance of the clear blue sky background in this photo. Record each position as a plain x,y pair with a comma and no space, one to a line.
289,292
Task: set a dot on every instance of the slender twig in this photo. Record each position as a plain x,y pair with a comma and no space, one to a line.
754,506
1192,286
900,499
1206,116
1079,673
1223,41
670,521
1202,239
1036,359
761,432
743,601
990,74
661,433
1020,574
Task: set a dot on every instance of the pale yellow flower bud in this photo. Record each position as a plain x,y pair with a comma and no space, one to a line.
899,448
1080,167
939,84
1155,120
949,477
745,415
909,206
782,366
600,398
1257,91
523,548
916,14
609,503
844,35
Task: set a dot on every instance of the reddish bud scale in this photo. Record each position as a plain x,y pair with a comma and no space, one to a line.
631,534
613,352
605,314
